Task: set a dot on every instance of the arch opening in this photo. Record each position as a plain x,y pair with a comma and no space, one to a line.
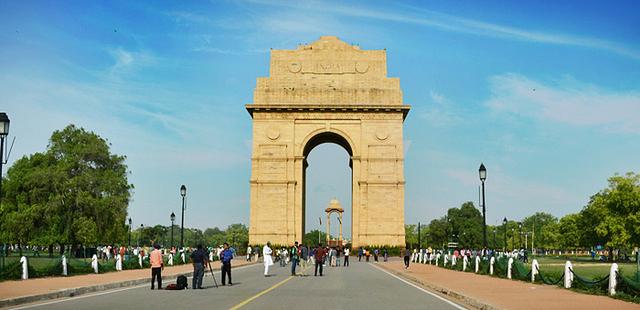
327,179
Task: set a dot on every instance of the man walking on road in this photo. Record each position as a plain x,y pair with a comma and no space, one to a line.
293,253
268,261
407,255
226,256
156,266
320,254
198,258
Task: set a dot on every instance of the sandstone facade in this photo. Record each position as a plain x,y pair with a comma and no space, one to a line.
327,91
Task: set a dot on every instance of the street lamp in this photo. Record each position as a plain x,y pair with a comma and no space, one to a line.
129,233
504,223
520,235
4,131
173,218
183,192
140,236
495,244
483,176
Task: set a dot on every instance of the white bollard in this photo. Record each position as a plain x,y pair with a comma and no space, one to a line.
534,270
64,266
613,281
94,263
477,263
454,259
170,259
119,262
465,261
509,266
568,275
140,260
446,260
25,268
491,262
184,261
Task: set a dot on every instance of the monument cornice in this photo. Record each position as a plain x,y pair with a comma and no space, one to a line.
354,108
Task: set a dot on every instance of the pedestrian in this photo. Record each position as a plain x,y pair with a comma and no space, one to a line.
268,261
249,253
407,255
198,258
225,257
304,257
346,257
156,266
293,253
320,254
367,254
360,252
385,254
375,255
338,252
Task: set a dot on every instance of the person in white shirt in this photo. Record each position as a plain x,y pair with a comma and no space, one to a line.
346,257
268,261
249,253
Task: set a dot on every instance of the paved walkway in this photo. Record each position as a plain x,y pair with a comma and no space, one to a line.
39,286
496,293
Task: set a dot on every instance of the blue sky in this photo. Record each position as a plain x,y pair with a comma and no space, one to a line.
547,95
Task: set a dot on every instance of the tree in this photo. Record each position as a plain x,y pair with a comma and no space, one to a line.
311,238
539,223
237,235
570,234
411,235
612,217
437,233
77,181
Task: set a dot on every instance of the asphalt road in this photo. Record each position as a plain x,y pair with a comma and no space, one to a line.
361,286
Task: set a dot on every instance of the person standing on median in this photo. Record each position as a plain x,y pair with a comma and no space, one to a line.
156,266
225,257
320,254
198,258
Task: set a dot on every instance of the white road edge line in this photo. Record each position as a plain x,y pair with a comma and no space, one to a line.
421,289
65,299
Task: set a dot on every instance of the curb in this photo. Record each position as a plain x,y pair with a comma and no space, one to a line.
475,303
77,291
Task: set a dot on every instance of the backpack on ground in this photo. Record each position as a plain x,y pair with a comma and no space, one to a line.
171,287
181,282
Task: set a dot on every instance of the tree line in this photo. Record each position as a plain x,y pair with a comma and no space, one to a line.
610,220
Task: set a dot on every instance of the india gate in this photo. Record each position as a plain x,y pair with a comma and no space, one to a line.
327,92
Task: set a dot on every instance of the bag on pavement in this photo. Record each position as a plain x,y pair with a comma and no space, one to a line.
181,282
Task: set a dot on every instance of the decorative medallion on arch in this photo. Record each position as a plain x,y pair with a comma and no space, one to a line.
327,91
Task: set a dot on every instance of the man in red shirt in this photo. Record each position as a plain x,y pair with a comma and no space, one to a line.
320,254
156,266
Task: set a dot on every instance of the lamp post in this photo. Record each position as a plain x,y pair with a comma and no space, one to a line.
513,238
183,193
129,233
520,235
173,218
140,236
4,131
419,241
504,223
483,176
495,244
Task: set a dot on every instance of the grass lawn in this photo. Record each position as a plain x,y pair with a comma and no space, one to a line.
582,265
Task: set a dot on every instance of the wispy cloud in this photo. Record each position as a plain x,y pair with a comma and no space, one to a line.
440,112
566,101
452,23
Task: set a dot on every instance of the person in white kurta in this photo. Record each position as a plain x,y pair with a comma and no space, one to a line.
266,253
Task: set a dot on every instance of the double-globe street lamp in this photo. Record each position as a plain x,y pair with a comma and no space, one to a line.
483,176
4,131
173,218
183,193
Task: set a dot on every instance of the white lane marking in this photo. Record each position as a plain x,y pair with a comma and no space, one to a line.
65,299
423,290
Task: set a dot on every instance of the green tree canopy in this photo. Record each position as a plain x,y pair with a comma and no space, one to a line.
76,192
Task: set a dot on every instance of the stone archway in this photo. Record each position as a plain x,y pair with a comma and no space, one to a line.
327,91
